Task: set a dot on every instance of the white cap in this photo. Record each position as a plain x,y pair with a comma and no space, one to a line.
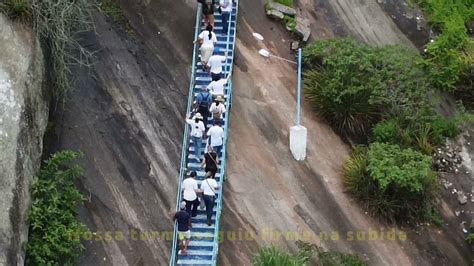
182,205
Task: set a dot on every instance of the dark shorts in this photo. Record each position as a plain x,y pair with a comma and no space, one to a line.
215,77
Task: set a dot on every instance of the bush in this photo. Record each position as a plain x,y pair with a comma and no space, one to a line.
403,169
53,213
423,133
353,85
289,22
386,132
272,256
393,183
448,56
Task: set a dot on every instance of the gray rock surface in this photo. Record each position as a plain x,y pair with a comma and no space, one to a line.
282,8
302,28
23,120
273,13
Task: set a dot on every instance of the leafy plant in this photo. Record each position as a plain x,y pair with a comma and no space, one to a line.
393,183
448,55
353,85
53,213
289,22
407,169
386,131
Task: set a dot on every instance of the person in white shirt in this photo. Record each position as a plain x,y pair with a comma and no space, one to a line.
217,87
217,108
209,187
197,132
207,39
226,7
190,190
215,64
216,134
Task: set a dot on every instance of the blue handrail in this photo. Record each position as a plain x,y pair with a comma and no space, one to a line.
183,168
226,127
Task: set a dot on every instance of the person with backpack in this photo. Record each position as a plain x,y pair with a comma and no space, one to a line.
226,10
203,102
217,108
215,64
207,39
210,163
209,187
197,132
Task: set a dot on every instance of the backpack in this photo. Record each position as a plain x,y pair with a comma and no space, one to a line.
216,114
204,101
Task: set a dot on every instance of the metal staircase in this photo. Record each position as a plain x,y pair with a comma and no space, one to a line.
203,247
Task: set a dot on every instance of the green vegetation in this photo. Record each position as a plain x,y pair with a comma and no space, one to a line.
53,213
450,57
470,237
392,182
56,23
353,85
384,96
273,256
285,2
290,22
16,9
111,9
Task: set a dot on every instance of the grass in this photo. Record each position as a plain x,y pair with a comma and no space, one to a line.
273,256
16,9
285,2
112,9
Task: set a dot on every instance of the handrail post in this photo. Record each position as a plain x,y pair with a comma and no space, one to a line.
298,108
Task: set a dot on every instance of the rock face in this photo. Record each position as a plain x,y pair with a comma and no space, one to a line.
302,28
282,8
23,120
273,13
